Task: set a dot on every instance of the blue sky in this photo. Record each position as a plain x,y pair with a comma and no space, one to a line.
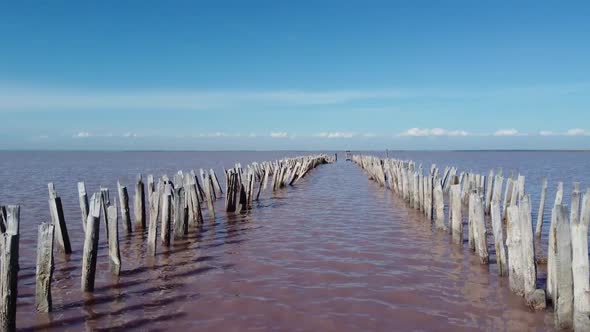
294,75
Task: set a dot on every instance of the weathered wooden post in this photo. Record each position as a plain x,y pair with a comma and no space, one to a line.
416,187
57,216
513,242
9,267
421,190
180,213
2,219
479,229
489,192
139,206
210,198
91,244
215,181
496,214
534,297
151,187
541,208
44,273
563,278
580,269
429,198
153,225
260,185
552,247
114,253
440,206
471,221
559,194
83,198
124,203
166,215
456,214
105,202
507,197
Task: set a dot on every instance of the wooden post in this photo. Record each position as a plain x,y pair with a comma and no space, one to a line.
166,215
489,192
529,261
541,208
44,274
421,190
456,214
416,187
507,197
57,216
479,229
428,197
552,247
150,186
139,206
9,267
513,242
580,269
105,203
260,186
563,277
559,194
83,198
124,203
440,206
215,181
470,222
551,255
91,244
195,205
496,214
180,213
153,225
210,198
114,253
2,219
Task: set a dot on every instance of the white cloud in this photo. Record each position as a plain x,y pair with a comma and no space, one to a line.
335,135
577,132
82,134
547,133
279,134
569,132
507,132
422,132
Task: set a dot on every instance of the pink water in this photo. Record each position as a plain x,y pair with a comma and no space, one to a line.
334,253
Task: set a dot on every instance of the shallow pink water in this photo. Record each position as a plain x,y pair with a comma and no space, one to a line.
334,253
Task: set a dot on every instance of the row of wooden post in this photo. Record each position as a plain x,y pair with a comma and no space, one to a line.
175,203
567,260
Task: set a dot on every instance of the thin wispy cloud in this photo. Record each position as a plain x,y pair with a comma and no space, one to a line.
15,97
335,135
423,132
22,99
279,135
507,132
578,132
82,134
569,132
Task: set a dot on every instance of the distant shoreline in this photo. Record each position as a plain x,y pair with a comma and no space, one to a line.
296,150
